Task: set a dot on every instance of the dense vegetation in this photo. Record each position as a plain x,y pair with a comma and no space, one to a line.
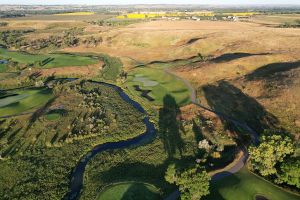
193,182
177,142
274,159
68,38
3,24
51,127
44,151
13,38
295,24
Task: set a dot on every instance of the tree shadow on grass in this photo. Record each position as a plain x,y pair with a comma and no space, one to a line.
225,180
38,113
170,126
227,99
138,191
141,172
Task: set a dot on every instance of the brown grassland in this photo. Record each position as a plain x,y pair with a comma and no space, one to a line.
232,50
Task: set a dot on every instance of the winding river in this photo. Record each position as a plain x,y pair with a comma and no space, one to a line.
78,172
76,182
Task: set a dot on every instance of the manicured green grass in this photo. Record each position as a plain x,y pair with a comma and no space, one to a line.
130,191
55,114
25,100
3,68
160,84
244,186
47,61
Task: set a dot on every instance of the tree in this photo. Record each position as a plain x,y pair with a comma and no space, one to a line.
290,173
272,150
193,182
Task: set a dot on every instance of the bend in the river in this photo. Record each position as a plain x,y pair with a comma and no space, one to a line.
77,174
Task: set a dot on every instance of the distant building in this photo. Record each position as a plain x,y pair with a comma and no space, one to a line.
196,18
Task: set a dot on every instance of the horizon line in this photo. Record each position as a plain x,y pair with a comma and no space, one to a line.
190,4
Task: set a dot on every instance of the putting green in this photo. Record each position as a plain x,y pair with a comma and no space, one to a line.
159,84
47,61
130,191
24,100
245,186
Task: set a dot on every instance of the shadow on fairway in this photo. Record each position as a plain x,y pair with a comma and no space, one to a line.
228,180
140,191
170,126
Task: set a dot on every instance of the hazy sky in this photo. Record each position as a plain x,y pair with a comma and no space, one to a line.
107,2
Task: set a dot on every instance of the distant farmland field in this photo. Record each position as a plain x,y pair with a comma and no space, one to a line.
76,13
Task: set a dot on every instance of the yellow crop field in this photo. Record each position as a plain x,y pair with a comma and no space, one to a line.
181,14
75,13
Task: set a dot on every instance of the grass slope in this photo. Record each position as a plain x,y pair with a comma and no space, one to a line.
130,191
55,60
244,186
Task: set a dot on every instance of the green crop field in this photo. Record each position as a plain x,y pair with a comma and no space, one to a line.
160,84
130,191
24,100
47,61
245,186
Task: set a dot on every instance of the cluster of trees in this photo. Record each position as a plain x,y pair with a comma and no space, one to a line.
113,23
11,15
69,38
92,41
99,111
53,40
96,120
274,159
295,24
12,38
3,23
193,182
